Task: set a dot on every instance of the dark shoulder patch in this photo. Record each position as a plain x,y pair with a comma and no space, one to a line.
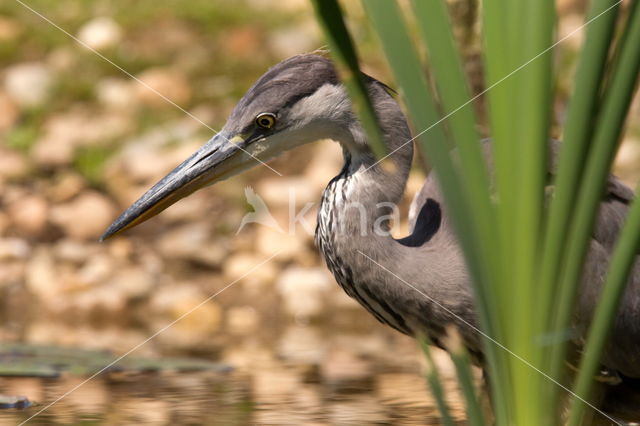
427,224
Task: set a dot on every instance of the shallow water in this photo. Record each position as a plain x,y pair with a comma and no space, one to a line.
294,376
217,398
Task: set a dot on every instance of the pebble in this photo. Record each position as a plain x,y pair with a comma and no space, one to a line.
100,33
253,273
9,112
42,279
65,186
29,214
19,402
132,282
180,301
29,84
9,29
192,242
12,164
86,216
14,248
242,320
303,290
343,369
169,83
116,93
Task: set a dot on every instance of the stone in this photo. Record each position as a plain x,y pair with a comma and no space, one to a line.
242,320
100,298
98,268
190,305
192,242
12,164
42,279
116,93
251,271
14,248
29,83
86,216
10,29
303,290
9,112
71,250
65,186
132,282
302,344
269,241
169,83
29,214
100,33
343,369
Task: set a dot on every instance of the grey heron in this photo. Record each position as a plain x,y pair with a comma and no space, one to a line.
301,100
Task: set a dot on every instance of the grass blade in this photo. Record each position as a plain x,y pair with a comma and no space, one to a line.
621,263
460,358
609,126
433,378
344,53
386,19
578,129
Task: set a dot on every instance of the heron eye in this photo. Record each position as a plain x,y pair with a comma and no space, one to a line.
266,120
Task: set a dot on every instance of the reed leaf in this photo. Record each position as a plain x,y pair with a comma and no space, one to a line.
344,53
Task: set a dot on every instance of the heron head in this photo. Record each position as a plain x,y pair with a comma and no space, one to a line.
297,101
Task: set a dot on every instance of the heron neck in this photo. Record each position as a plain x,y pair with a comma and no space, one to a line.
359,204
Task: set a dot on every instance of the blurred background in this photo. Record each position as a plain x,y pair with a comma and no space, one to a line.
80,140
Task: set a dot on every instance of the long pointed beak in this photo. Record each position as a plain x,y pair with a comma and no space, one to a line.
218,159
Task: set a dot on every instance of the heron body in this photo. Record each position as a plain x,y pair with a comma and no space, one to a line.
418,284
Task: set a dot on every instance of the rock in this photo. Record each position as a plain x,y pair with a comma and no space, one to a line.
269,241
171,84
303,290
101,298
343,369
9,112
192,242
14,248
196,314
12,164
17,402
9,29
85,217
100,33
80,127
116,93
29,83
302,344
66,185
132,282
42,278
251,271
242,320
71,250
99,268
29,214
53,151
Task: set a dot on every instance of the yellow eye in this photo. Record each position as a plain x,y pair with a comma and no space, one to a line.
266,120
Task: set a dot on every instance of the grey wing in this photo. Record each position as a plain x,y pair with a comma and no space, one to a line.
623,352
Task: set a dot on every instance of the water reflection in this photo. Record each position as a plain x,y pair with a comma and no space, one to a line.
300,379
